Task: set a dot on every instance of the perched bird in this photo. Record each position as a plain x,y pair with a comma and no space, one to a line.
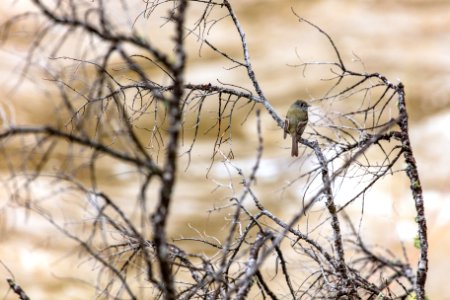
295,123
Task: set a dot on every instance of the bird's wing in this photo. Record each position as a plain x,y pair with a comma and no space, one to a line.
301,127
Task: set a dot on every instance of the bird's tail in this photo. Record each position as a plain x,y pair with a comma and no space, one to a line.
294,151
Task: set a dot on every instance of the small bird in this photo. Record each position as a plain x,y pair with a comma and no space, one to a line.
295,123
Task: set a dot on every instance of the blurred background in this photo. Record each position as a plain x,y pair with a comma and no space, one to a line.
406,41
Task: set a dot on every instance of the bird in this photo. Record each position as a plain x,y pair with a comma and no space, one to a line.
295,123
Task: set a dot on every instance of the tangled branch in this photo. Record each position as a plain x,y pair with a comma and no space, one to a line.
137,115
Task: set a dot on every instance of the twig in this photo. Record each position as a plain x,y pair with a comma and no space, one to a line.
17,289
